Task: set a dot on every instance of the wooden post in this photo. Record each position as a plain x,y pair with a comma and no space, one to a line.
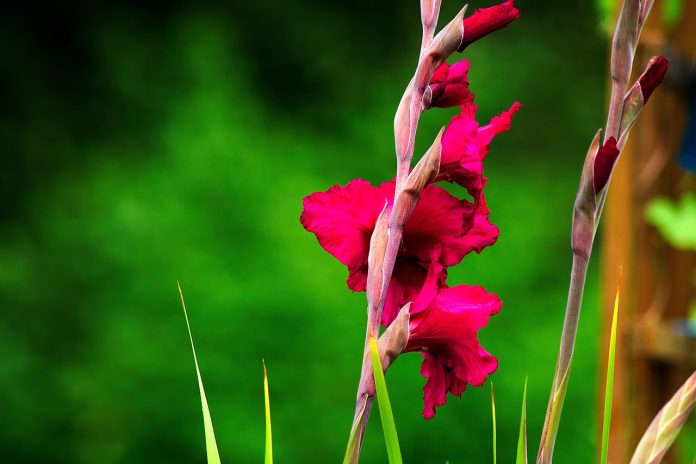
652,359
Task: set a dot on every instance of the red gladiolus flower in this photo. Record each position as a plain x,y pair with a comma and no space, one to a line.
465,145
443,326
487,20
449,85
343,219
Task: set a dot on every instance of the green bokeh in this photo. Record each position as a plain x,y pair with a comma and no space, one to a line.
150,144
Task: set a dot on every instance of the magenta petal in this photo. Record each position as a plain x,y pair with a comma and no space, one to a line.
498,124
487,20
343,219
446,332
449,85
465,145
458,226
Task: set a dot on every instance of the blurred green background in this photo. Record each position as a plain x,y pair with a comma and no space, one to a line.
144,144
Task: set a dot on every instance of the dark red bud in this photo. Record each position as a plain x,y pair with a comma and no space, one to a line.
604,163
652,77
487,20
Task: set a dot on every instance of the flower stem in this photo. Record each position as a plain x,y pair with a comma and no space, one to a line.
565,356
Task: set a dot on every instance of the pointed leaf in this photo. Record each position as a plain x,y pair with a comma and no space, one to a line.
609,389
522,441
385,412
495,451
269,437
210,443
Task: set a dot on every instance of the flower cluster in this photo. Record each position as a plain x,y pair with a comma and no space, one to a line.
441,230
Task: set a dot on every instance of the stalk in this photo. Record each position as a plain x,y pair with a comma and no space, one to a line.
387,236
594,181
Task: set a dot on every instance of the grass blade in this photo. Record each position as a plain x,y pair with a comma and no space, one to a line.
522,441
666,426
210,443
385,412
495,438
269,437
609,388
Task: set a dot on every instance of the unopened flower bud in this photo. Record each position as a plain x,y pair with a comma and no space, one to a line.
487,20
604,163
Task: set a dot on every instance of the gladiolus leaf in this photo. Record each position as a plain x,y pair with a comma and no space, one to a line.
609,389
385,412
269,436
522,441
210,443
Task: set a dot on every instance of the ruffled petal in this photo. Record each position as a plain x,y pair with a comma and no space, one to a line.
458,226
449,85
498,125
446,332
343,218
465,145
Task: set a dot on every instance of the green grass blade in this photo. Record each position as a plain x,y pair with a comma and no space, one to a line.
269,435
210,443
385,412
495,438
609,389
522,441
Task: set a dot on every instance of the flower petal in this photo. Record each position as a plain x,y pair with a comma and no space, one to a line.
465,145
449,85
446,332
459,226
487,20
343,218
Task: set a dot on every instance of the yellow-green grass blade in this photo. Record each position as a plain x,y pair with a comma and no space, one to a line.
267,401
609,388
385,412
210,443
495,438
522,440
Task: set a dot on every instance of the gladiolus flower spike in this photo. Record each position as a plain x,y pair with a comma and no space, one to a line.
439,231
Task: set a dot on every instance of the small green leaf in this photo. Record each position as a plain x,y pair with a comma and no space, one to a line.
267,401
522,441
210,443
495,439
385,412
608,390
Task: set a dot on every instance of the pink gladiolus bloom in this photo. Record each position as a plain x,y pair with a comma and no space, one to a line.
449,85
465,145
444,326
343,218
487,20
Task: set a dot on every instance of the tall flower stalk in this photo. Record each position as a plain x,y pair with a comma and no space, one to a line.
625,105
397,240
